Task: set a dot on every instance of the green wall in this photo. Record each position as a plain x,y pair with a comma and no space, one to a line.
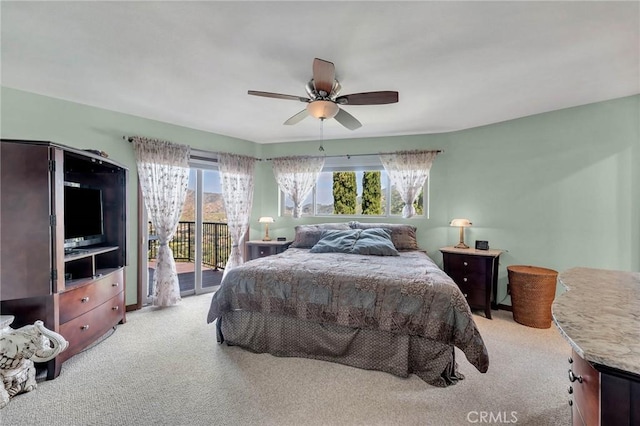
28,116
559,189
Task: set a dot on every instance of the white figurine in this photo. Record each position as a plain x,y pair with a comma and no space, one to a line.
19,349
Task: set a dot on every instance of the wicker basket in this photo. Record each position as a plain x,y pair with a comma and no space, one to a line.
532,292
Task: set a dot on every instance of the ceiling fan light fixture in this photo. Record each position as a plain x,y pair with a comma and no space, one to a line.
322,109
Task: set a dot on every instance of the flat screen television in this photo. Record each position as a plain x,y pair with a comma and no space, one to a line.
83,216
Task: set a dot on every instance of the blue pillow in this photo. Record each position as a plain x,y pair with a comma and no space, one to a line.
336,241
375,241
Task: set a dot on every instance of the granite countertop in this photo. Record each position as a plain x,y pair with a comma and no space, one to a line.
600,316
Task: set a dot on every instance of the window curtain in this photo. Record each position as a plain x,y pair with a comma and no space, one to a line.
163,172
408,171
236,178
296,177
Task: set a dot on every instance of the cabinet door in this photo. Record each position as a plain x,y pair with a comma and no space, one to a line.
26,238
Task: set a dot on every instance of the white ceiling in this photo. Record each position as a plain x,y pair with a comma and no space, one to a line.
456,65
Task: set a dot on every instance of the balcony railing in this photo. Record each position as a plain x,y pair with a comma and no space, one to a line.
216,243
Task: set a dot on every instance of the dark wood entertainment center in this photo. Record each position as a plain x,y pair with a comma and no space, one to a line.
78,293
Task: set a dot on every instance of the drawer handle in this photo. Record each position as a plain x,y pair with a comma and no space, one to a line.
84,327
573,377
570,390
115,308
465,263
570,403
570,360
465,279
116,284
84,299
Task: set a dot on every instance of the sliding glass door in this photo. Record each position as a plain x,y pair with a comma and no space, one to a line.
211,243
201,244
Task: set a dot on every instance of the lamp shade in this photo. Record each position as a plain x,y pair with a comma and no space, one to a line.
322,109
460,222
266,219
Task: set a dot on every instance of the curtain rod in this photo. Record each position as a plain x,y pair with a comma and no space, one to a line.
198,157
439,151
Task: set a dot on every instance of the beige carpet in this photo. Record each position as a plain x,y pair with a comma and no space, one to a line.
164,367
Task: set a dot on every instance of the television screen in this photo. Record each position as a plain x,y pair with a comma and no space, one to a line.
82,215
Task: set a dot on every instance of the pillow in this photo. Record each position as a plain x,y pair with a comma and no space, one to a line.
403,236
374,241
308,235
336,241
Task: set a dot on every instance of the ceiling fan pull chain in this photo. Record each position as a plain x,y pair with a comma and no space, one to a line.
321,148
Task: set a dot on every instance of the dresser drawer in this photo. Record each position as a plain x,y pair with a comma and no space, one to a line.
585,389
257,249
83,330
462,264
261,251
475,295
77,301
468,278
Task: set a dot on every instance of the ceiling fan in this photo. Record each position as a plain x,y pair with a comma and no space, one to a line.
324,100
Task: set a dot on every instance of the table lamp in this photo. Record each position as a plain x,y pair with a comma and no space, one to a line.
462,223
266,220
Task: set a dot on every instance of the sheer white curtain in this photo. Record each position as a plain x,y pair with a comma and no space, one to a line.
163,172
408,170
296,177
236,178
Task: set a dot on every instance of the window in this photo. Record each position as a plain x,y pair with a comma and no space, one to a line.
354,186
204,180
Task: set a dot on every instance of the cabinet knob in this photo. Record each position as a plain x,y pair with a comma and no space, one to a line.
84,299
116,284
570,390
570,403
465,279
573,377
570,360
84,327
115,308
465,263
465,295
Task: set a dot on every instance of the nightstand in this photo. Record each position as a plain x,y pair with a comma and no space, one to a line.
476,273
259,248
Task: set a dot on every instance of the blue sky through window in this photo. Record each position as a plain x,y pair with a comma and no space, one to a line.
211,181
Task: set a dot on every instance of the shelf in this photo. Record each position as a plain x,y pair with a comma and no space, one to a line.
76,254
79,282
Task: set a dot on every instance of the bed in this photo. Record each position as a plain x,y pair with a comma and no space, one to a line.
393,312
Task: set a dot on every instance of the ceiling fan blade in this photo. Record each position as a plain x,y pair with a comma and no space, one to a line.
324,74
368,98
297,118
347,120
278,96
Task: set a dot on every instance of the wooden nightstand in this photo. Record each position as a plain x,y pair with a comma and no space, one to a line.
476,273
259,248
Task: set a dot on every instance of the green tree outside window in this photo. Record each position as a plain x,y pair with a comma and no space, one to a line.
371,193
345,193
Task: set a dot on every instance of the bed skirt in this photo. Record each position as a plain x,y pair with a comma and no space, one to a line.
401,355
